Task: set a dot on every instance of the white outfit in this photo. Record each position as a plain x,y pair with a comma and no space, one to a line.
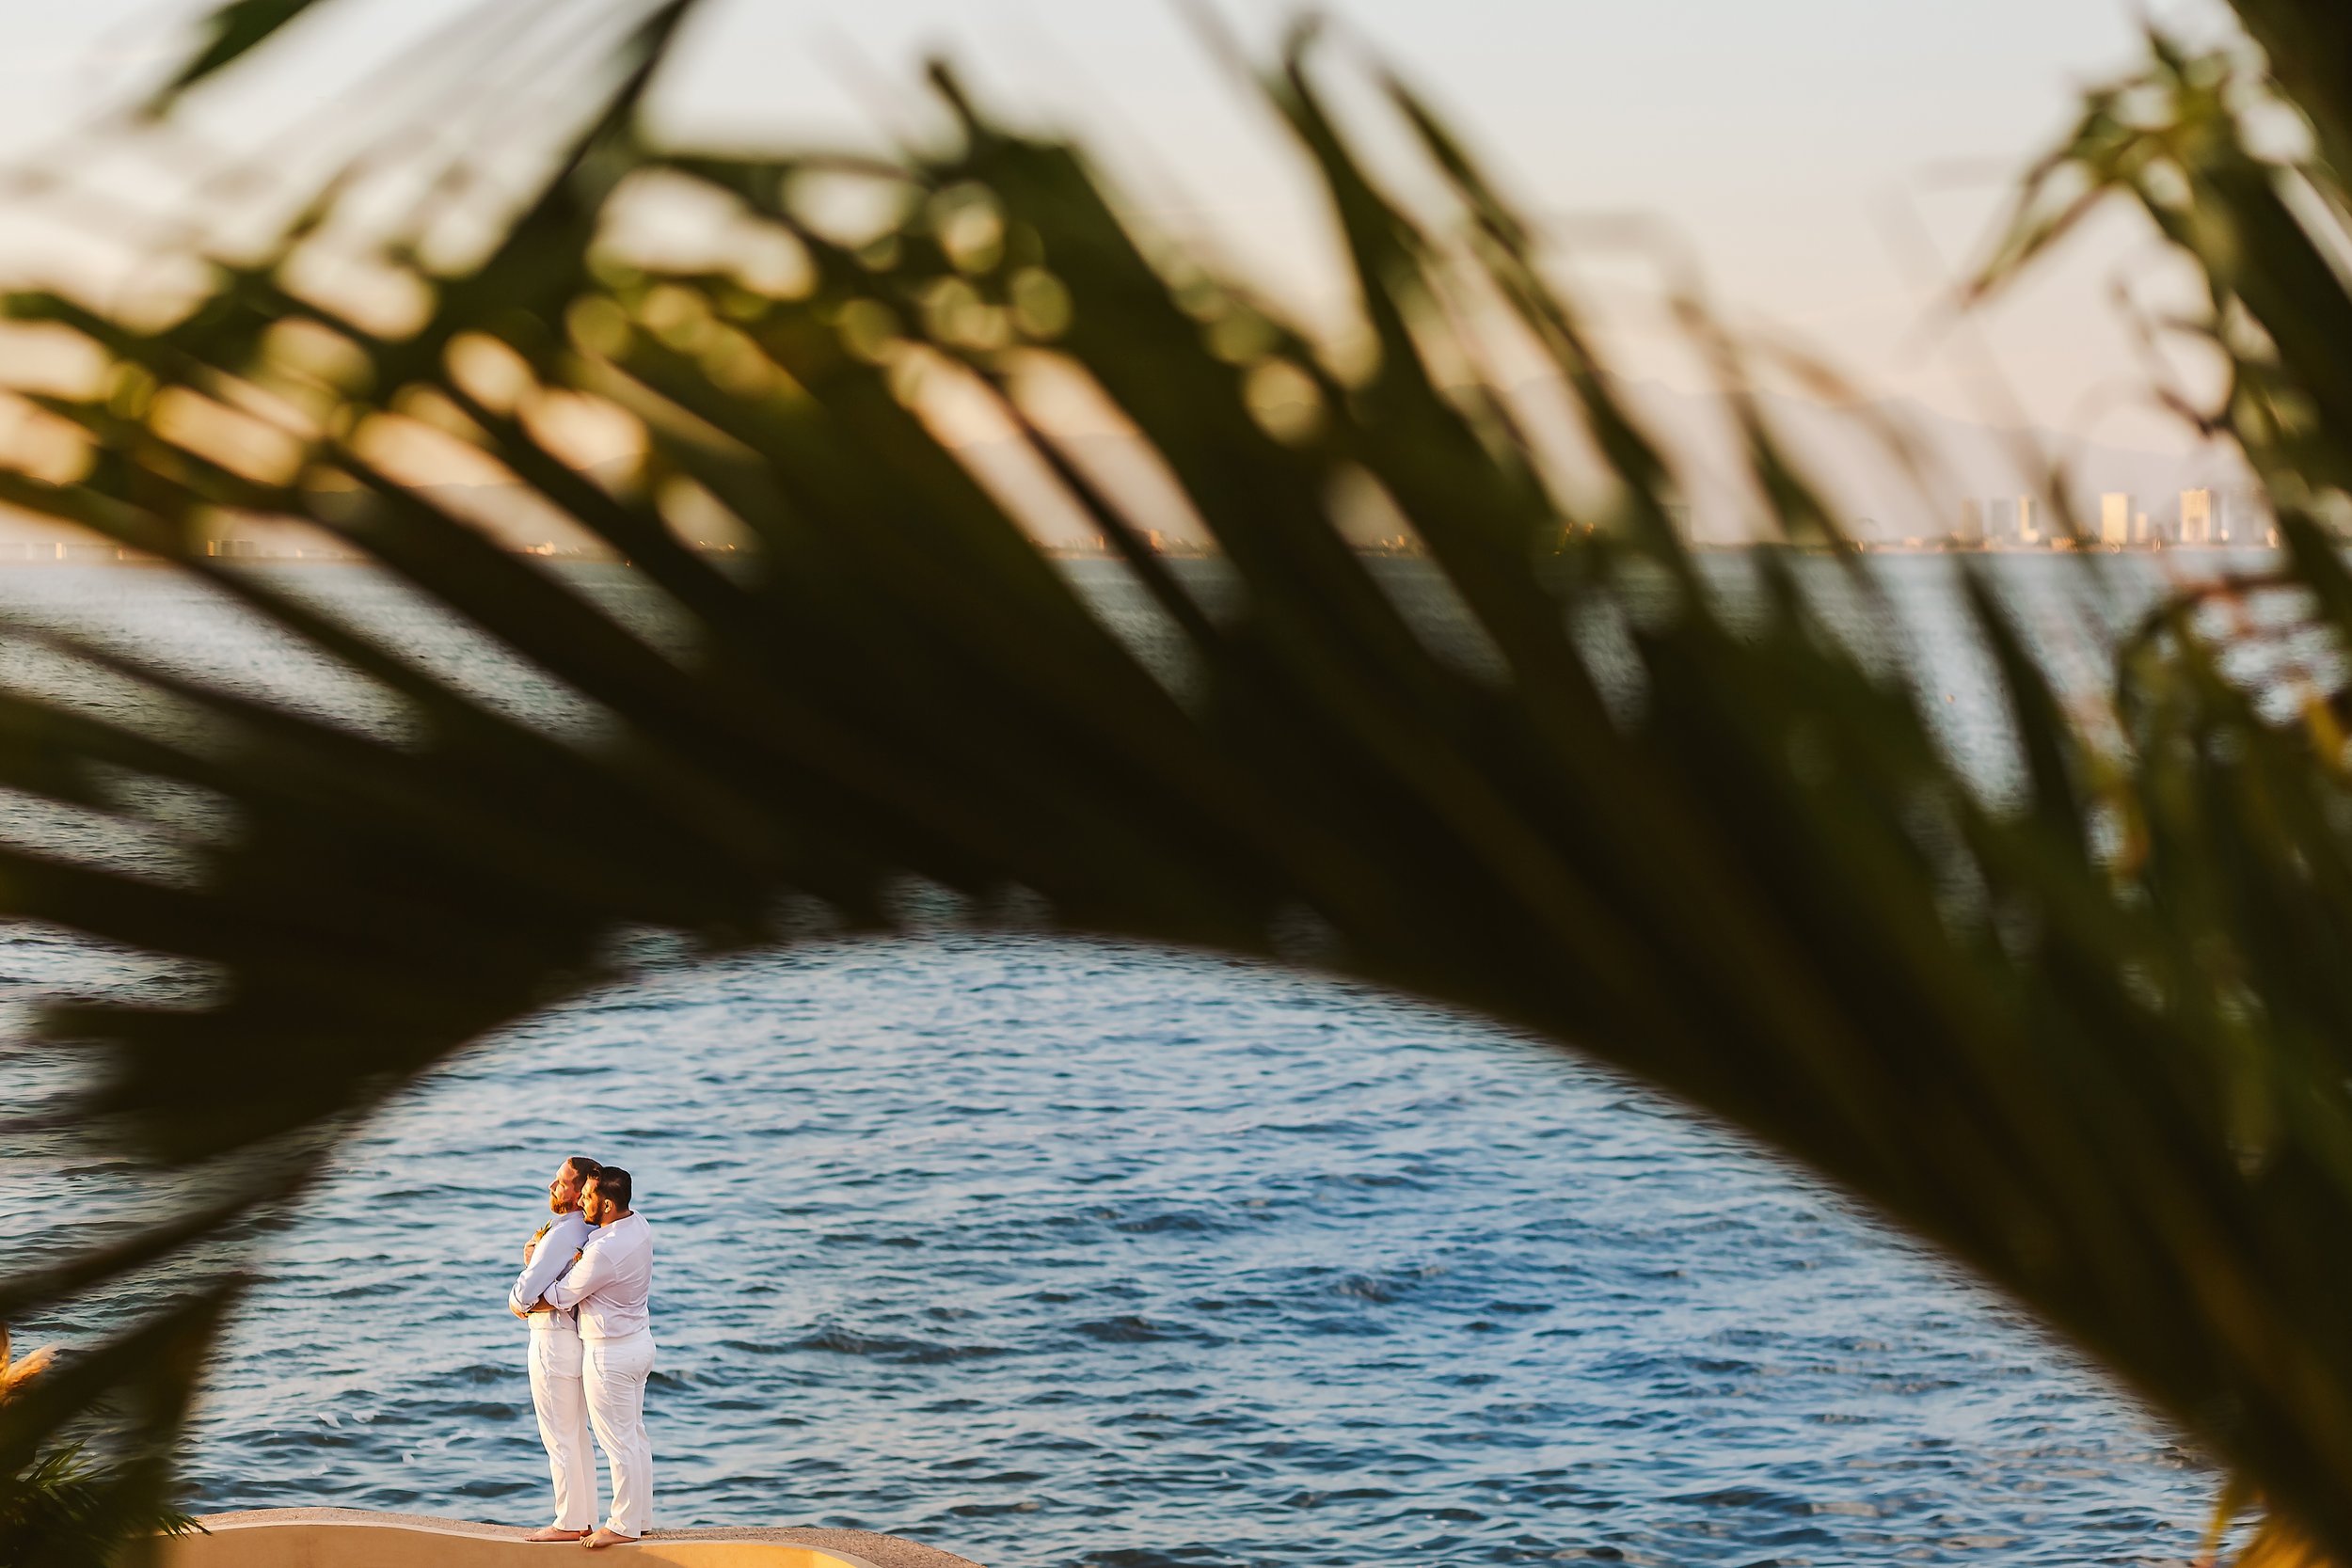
611,1287
557,1396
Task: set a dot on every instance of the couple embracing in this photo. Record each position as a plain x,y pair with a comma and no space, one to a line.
586,1279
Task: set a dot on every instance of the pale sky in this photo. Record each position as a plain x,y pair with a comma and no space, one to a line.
1791,146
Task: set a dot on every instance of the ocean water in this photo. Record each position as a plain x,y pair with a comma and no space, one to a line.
1051,1253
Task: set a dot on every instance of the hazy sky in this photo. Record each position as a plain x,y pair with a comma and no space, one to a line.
1791,144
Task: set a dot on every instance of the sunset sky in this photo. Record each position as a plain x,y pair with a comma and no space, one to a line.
1826,161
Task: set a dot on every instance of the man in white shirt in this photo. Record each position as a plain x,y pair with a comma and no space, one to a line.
557,1395
609,1288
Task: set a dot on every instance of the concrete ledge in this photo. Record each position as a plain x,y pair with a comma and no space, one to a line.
352,1538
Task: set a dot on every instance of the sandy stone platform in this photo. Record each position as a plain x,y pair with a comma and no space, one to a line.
353,1537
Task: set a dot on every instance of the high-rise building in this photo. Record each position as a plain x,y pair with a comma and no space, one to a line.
2028,526
1970,530
2000,520
2115,518
2243,514
2197,517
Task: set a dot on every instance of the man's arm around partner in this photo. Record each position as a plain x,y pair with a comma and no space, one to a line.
565,1235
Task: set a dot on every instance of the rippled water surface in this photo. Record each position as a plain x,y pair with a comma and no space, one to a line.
1056,1253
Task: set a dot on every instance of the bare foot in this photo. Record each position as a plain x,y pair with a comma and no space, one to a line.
554,1534
604,1538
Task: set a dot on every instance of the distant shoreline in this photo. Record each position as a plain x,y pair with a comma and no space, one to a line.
85,556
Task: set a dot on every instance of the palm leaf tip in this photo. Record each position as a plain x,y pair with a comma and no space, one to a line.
224,37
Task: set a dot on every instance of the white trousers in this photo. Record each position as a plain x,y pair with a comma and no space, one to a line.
613,1372
562,1406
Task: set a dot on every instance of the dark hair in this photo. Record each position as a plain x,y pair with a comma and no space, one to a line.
613,1182
583,1166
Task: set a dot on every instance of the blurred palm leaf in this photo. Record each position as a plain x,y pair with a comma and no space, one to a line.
2088,1036
229,35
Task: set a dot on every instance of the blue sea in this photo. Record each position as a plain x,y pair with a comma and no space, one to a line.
1051,1253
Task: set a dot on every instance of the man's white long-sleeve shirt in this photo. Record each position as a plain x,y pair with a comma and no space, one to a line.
551,1255
612,1281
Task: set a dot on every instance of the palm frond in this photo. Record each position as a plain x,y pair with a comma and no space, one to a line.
2086,1038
